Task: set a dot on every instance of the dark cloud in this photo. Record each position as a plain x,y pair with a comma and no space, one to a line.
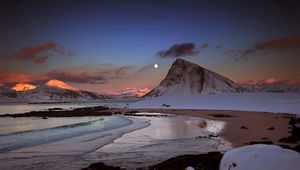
280,44
274,45
41,53
99,76
18,77
203,46
179,50
219,46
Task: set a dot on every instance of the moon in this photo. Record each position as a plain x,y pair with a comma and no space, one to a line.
155,66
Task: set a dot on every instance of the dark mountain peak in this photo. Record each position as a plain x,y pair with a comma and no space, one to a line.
185,77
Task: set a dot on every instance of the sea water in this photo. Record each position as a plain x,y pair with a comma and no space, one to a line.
23,132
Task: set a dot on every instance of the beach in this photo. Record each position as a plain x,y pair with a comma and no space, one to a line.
153,136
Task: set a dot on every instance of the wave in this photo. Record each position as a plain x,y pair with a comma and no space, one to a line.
53,128
29,138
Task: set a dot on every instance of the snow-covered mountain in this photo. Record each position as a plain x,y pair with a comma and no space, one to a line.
277,87
185,78
51,91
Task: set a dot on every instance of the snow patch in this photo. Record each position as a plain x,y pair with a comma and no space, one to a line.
262,102
260,157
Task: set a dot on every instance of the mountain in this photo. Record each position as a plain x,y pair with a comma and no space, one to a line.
278,87
185,78
51,91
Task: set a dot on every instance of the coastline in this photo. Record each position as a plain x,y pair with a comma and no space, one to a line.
242,128
247,125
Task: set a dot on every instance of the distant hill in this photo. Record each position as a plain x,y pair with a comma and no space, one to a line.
51,91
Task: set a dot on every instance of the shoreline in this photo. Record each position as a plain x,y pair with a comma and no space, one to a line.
248,126
242,128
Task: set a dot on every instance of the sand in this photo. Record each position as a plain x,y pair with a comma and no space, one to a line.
256,123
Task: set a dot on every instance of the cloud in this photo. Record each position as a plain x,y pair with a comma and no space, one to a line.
41,53
280,44
203,46
274,45
147,67
179,50
271,81
100,76
219,46
17,77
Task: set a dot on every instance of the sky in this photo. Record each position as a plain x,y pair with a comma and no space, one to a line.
111,46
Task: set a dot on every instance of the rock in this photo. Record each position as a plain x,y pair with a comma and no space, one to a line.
165,105
220,115
243,127
209,161
102,166
295,133
267,142
271,128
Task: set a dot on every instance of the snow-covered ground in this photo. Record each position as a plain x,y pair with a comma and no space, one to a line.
264,102
260,157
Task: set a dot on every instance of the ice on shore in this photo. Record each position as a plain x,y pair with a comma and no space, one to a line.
260,157
263,102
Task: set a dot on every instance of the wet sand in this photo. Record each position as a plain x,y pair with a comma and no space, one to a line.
242,127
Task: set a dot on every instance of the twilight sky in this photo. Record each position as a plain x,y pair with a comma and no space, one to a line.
108,46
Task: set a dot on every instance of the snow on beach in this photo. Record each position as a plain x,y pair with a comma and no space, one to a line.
262,102
260,157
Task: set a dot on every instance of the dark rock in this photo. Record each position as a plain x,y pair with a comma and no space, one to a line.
271,128
165,105
102,166
297,148
209,161
87,111
133,111
264,138
289,139
207,137
267,142
243,127
285,146
55,109
295,133
44,118
220,115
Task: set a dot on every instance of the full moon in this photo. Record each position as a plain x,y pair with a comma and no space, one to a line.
155,65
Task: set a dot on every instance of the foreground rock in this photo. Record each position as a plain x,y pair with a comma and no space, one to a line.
295,132
260,157
101,166
209,161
